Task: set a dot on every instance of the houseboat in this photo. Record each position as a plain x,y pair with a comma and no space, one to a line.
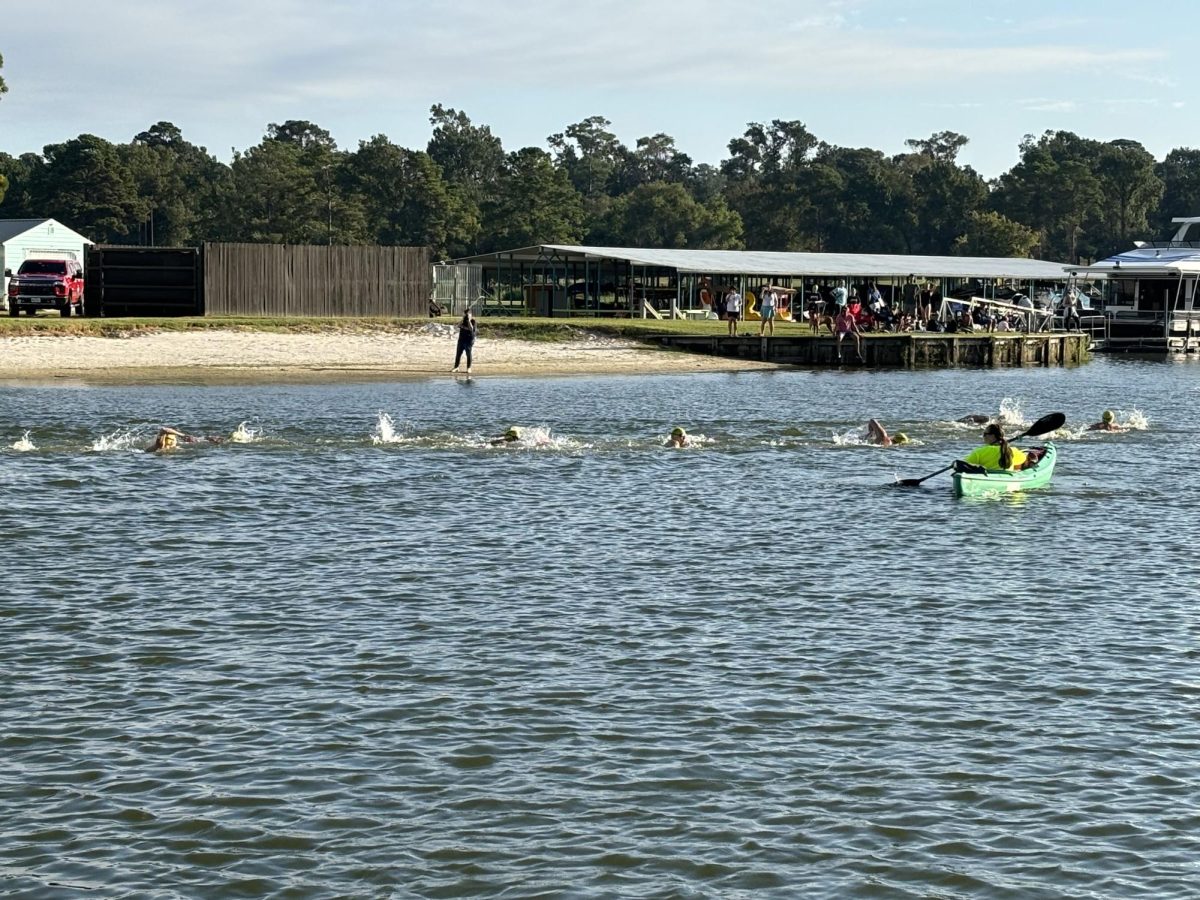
1150,296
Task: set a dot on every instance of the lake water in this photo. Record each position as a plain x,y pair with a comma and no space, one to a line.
363,653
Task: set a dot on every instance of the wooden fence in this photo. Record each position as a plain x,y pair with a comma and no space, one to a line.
287,280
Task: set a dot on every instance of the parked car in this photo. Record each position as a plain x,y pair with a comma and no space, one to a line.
46,284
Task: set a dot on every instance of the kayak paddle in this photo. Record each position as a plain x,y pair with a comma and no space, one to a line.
1044,425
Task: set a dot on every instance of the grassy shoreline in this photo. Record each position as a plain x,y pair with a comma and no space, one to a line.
557,330
522,328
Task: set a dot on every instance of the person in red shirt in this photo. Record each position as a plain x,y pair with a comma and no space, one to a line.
845,324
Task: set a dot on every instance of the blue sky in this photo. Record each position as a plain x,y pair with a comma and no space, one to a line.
856,72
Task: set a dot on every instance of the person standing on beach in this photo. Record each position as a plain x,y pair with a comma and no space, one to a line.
466,339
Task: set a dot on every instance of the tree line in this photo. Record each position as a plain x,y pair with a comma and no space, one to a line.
780,188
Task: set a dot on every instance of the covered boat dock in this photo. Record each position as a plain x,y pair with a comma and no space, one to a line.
570,280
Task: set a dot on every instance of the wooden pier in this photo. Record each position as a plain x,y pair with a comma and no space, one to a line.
907,350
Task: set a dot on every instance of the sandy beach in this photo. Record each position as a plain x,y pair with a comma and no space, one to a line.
230,357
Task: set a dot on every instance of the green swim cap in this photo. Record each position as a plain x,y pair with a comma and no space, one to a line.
678,432
900,438
513,433
1107,416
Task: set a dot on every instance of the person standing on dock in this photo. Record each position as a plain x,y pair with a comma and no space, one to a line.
767,303
925,306
1071,320
1026,306
733,310
839,296
911,290
466,339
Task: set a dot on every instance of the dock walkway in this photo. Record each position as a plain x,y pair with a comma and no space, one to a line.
907,350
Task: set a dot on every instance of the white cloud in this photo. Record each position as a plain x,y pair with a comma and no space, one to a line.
827,22
223,69
1119,102
1156,80
1045,105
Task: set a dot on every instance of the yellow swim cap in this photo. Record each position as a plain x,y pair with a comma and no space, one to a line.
900,438
513,434
1107,416
678,432
169,442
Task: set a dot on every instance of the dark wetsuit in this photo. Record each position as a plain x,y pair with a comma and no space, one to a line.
466,340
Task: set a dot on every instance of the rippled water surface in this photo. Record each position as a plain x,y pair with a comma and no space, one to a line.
360,652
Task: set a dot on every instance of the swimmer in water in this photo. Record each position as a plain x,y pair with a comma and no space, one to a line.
169,439
877,434
975,419
1108,422
509,437
678,438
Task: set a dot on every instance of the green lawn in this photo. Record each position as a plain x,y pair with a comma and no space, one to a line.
525,327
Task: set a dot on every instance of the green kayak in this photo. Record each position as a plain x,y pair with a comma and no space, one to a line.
995,481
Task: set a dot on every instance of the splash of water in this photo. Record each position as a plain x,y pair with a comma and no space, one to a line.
696,441
385,431
1011,415
1066,433
1135,420
121,439
24,445
855,438
539,437
245,434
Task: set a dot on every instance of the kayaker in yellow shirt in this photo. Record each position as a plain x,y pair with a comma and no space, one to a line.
996,452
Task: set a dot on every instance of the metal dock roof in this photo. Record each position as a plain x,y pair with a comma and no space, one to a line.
753,262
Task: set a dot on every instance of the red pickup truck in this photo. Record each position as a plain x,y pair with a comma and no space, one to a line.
46,284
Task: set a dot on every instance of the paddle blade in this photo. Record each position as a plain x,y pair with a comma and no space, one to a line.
914,482
1047,423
